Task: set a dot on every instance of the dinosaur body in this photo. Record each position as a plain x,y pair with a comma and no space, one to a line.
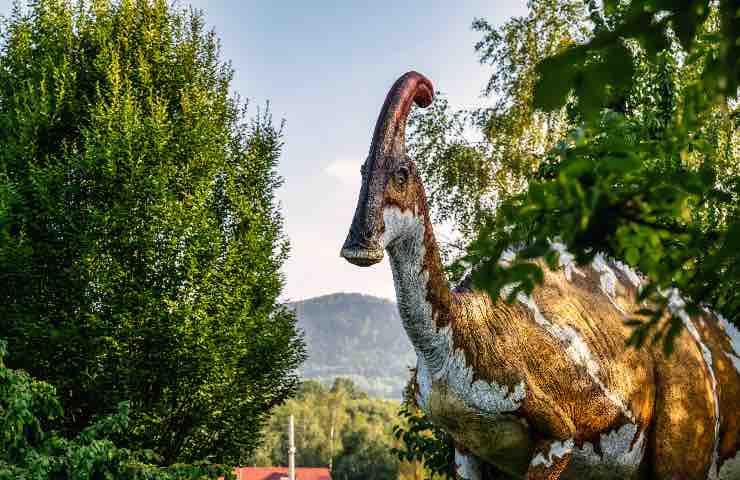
545,387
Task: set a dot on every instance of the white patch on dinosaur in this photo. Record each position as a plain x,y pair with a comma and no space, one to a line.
730,470
508,256
676,306
490,397
607,280
557,450
631,275
734,335
566,259
467,467
619,458
507,289
398,224
404,237
577,350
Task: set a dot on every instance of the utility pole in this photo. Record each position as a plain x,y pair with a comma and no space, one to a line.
291,450
331,440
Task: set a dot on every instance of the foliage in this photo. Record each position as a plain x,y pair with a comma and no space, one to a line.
140,240
517,133
424,442
458,171
30,451
466,176
358,337
364,457
657,187
362,441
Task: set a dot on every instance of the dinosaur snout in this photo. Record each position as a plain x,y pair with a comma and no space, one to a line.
361,253
363,246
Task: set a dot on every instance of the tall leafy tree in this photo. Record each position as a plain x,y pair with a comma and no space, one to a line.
473,159
140,239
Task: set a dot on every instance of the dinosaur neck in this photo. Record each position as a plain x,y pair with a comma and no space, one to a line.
423,294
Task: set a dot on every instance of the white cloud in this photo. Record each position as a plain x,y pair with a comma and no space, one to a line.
346,171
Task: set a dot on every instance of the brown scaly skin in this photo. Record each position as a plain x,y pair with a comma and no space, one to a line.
564,345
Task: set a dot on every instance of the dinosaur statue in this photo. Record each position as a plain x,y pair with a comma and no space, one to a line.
544,388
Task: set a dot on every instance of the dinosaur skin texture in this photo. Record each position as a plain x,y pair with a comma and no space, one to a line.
545,388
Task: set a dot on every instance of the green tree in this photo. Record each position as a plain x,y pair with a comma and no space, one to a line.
140,240
466,175
30,451
365,456
361,446
422,441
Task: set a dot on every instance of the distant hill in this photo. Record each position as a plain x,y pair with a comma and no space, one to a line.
356,336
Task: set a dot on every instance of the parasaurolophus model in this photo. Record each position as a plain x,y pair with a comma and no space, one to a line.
544,388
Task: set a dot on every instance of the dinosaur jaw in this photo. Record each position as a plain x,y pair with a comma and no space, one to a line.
362,257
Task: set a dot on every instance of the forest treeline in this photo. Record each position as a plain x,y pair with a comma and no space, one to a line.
140,246
342,427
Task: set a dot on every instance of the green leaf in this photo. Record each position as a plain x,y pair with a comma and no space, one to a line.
620,164
632,255
687,19
556,77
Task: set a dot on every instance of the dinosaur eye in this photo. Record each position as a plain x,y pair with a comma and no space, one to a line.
401,177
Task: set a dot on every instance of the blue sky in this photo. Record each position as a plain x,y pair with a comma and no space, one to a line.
325,66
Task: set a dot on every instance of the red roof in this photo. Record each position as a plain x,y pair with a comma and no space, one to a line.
278,473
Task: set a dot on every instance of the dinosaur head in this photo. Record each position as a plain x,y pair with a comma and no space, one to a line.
391,196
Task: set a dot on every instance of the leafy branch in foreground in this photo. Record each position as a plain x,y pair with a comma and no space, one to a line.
29,450
657,187
424,442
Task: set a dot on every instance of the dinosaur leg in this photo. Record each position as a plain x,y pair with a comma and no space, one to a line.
550,460
470,467
683,435
467,466
552,454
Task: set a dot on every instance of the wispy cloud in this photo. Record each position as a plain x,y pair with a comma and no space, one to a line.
346,171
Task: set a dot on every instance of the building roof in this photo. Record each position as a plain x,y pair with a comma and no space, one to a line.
278,473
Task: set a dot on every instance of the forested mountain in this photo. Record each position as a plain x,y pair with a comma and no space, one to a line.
358,337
